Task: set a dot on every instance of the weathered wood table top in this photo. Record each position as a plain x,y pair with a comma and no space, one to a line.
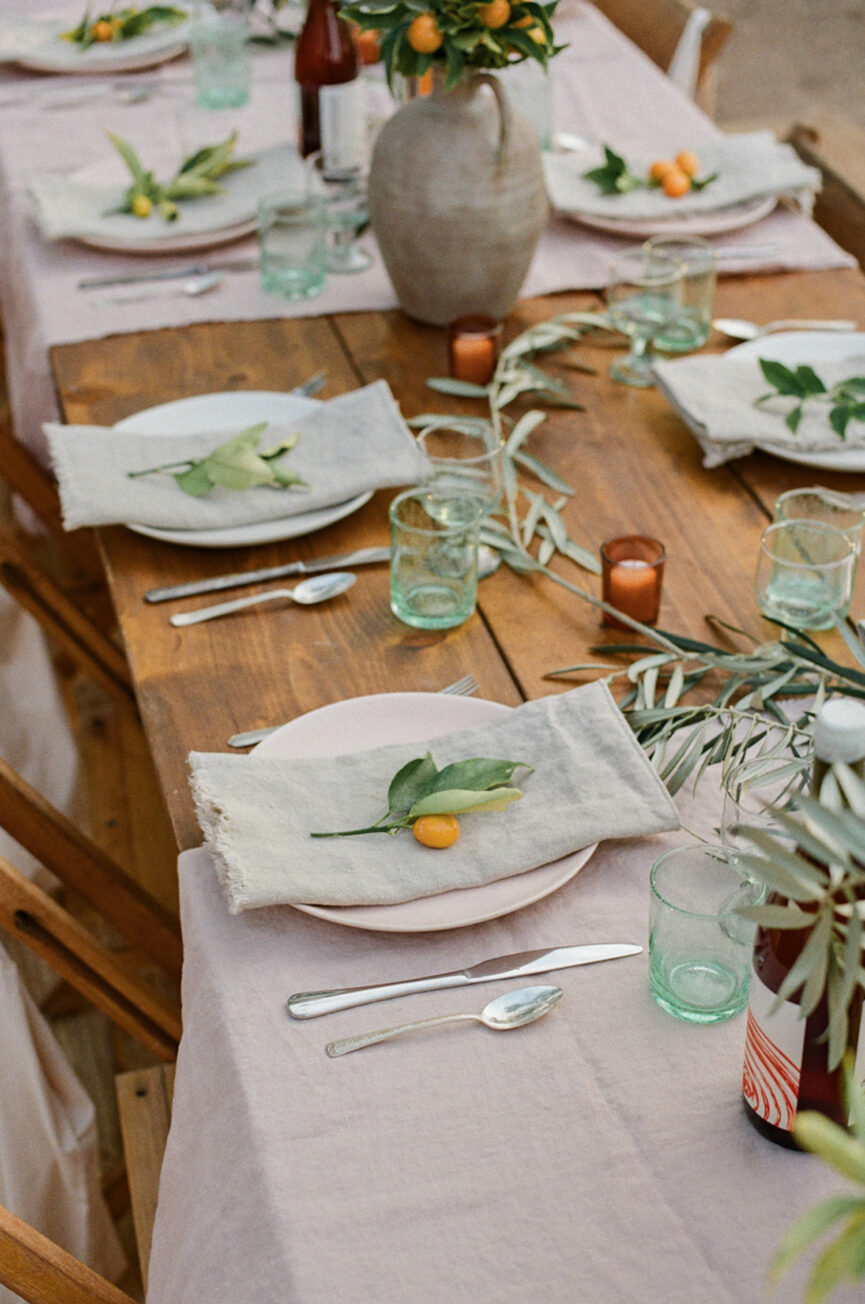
635,467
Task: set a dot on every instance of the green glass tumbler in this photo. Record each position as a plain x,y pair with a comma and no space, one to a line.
433,560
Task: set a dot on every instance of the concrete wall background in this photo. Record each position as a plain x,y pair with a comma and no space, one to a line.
787,58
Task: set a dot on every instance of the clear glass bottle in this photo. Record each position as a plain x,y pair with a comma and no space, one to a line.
326,69
786,1059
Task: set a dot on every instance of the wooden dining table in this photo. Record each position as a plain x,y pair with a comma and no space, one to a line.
634,466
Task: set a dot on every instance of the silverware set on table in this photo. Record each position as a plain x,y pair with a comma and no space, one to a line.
513,1009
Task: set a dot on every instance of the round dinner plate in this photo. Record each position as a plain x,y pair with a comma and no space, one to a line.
363,722
172,244
139,52
233,411
722,220
794,348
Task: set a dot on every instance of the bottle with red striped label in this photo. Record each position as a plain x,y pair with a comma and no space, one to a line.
786,1057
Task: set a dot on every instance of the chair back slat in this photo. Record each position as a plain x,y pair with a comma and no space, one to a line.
33,1267
69,628
80,864
29,914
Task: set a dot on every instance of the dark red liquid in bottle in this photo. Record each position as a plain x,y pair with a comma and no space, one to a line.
325,55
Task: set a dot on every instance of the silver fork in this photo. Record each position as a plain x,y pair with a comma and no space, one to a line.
465,687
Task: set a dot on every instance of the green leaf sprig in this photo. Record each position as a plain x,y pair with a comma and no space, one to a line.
615,177
121,24
421,788
196,178
236,464
846,399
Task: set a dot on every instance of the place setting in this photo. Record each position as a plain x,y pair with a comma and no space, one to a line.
96,41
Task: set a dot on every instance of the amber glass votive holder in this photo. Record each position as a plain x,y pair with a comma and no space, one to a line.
632,571
473,347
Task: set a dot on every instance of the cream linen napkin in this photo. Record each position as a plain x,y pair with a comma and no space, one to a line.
751,166
352,444
591,780
714,395
80,205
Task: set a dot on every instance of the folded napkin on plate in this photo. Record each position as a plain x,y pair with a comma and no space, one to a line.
591,780
80,205
347,446
714,395
21,36
750,166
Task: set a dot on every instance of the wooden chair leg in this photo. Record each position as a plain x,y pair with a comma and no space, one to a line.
144,1098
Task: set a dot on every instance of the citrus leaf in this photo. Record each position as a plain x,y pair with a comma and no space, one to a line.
456,801
411,783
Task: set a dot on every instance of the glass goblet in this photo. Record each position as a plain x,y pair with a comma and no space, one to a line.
343,190
642,297
466,473
757,781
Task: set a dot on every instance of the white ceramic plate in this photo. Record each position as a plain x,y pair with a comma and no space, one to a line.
794,348
146,51
172,244
724,219
364,722
235,410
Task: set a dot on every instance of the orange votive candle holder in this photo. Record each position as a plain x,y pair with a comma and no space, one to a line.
632,571
473,347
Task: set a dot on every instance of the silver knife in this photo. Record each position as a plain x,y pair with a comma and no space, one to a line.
169,273
360,557
308,1005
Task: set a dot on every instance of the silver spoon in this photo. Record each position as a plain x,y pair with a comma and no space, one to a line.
512,1010
738,328
193,287
318,588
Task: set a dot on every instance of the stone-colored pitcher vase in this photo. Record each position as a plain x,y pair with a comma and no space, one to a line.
457,201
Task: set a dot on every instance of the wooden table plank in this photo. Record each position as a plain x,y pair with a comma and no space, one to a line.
633,463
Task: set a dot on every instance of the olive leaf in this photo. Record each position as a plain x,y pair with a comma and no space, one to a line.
236,464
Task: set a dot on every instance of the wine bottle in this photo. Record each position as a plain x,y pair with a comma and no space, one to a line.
326,67
786,1057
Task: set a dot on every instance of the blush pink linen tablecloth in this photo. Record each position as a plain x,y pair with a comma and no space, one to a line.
604,88
599,1156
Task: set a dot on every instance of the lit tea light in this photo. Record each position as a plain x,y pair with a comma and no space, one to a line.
473,347
632,571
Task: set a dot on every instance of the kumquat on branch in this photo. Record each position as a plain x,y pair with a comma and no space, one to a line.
459,34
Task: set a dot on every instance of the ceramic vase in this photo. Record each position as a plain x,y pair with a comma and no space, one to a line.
457,201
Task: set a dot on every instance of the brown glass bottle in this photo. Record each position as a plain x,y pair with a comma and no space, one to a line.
326,70
786,1060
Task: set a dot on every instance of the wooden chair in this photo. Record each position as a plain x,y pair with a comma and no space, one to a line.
836,146
38,1270
657,28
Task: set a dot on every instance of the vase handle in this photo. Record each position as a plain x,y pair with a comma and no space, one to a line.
505,116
